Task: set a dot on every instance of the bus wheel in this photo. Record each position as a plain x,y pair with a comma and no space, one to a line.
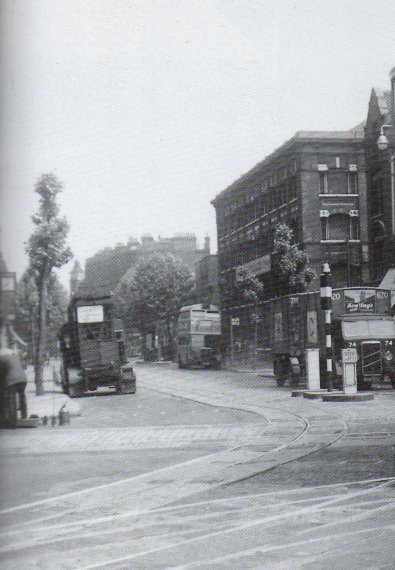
280,381
75,389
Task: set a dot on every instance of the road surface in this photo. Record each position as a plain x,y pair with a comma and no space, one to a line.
203,469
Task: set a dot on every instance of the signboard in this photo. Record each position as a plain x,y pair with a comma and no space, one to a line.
349,355
90,314
312,327
257,266
235,322
359,301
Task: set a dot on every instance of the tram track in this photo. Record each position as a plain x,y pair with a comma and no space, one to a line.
162,498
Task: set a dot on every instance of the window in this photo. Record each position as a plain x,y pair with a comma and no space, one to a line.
353,183
354,228
324,229
338,182
323,182
339,227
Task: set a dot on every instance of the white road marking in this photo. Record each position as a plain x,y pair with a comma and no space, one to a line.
265,549
273,518
203,517
14,529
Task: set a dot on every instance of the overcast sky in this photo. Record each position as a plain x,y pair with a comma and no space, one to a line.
146,110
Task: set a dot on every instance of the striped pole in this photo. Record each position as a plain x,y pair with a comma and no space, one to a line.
326,306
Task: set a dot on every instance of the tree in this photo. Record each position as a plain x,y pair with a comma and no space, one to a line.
47,249
109,265
251,289
26,321
293,262
153,291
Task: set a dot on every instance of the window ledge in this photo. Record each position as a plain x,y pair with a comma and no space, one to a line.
340,241
328,195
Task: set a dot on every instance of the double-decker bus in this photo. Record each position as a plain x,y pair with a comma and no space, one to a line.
199,336
361,319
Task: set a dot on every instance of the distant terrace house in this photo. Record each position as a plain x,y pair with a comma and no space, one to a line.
315,183
107,267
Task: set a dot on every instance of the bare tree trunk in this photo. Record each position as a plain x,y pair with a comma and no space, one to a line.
41,337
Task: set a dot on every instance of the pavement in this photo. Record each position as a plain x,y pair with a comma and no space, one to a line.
53,398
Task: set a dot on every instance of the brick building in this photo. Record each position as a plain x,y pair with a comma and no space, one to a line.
315,183
380,181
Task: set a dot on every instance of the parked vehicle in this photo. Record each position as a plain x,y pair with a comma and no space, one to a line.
199,337
93,348
361,319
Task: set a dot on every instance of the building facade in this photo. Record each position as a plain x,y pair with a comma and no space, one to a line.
380,181
316,184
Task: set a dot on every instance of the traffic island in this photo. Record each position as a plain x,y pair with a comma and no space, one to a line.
316,394
342,397
298,393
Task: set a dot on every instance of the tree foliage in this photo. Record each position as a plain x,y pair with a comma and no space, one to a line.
46,246
46,249
26,322
249,285
154,290
293,262
109,265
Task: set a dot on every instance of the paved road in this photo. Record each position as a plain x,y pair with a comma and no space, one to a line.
219,470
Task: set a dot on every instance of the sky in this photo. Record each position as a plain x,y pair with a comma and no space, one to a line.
146,110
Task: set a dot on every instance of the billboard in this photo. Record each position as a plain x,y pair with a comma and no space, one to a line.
360,301
90,314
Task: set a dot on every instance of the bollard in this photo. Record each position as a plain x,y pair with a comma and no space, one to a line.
53,421
45,420
62,416
313,369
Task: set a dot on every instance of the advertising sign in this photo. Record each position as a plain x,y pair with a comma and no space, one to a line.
360,301
312,327
90,314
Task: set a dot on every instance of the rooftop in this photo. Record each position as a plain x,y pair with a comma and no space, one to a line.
354,134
